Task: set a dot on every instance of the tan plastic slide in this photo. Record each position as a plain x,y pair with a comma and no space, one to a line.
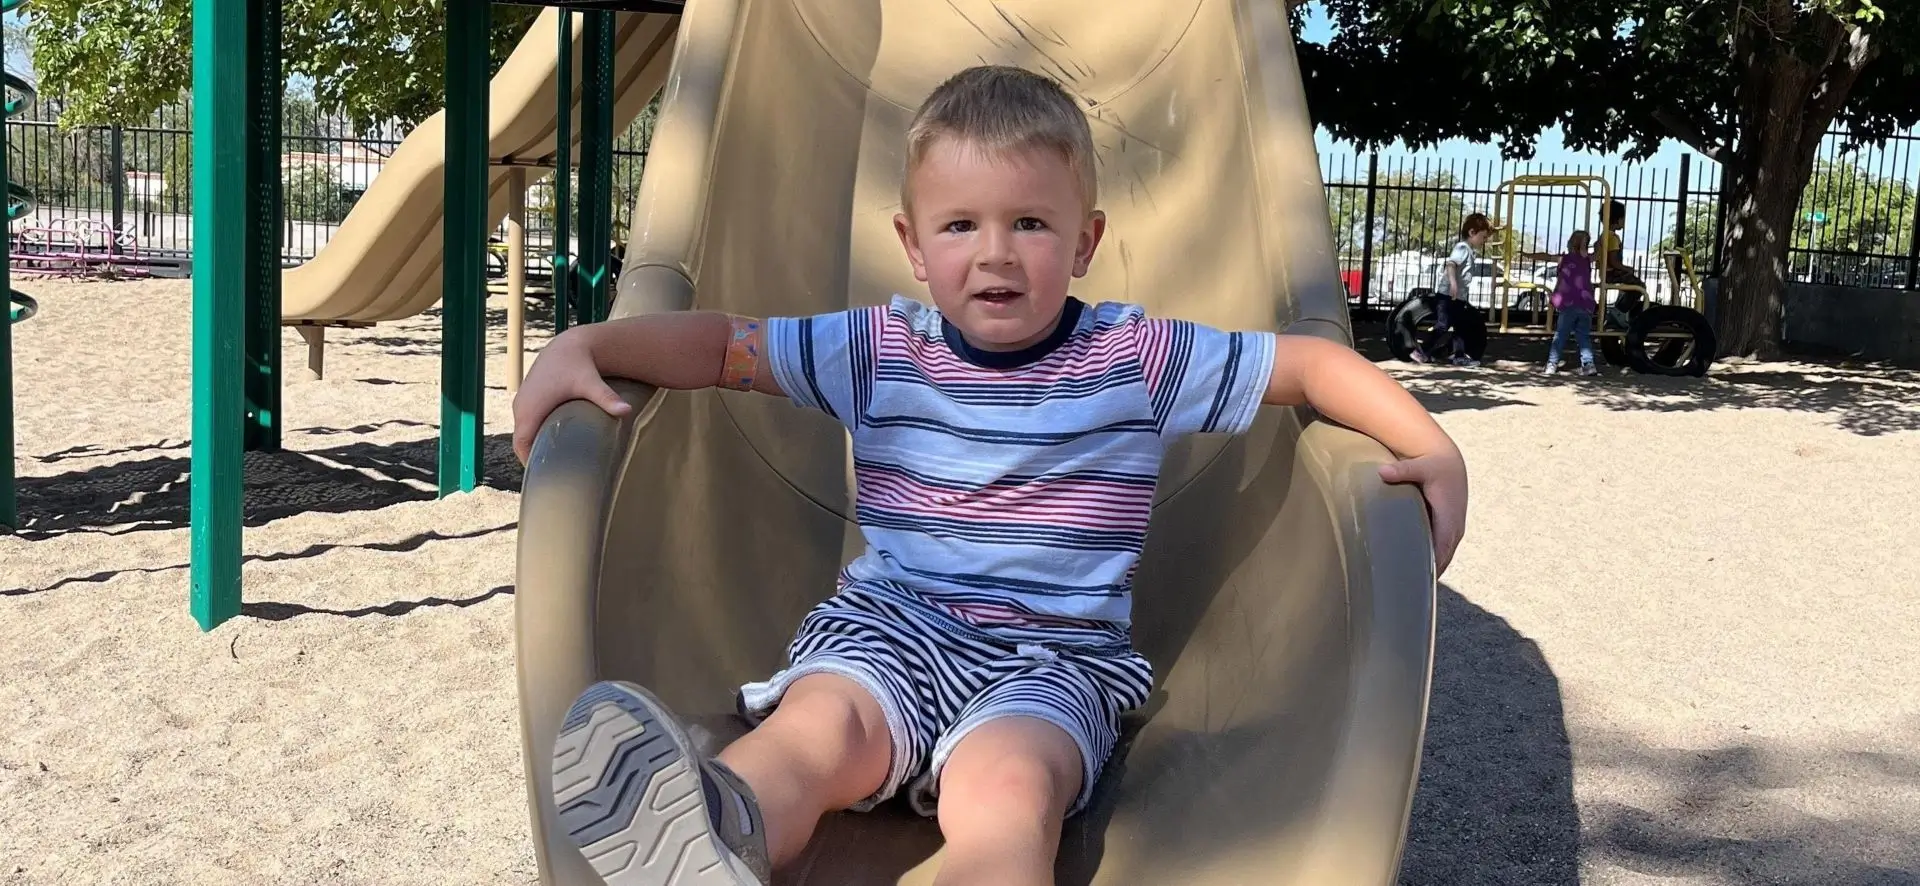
385,261
1287,595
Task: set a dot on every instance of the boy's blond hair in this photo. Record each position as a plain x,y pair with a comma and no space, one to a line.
1000,108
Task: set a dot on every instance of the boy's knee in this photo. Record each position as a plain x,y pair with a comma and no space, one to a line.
835,715
1023,774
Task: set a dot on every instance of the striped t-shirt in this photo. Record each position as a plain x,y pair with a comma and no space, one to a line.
1012,489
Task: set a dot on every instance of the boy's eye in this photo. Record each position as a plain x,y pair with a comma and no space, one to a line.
960,226
1029,224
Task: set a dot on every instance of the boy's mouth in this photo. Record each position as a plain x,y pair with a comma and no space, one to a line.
998,295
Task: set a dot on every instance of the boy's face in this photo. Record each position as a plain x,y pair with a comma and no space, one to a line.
996,238
1478,239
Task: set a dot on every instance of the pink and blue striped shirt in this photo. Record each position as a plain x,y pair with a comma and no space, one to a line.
1012,489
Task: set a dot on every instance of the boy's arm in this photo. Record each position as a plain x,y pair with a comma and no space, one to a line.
681,350
1347,388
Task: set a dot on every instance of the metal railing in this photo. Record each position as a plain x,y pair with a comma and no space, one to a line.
131,186
1396,216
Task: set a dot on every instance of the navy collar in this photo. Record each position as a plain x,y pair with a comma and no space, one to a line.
1069,320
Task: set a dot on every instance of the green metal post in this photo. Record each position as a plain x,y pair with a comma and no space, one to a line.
225,52
563,183
596,165
264,88
463,292
9,510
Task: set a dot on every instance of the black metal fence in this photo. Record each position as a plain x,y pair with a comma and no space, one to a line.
128,189
1395,217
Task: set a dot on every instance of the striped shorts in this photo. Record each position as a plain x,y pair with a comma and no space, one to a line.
936,679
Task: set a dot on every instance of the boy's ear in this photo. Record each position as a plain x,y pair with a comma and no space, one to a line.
904,227
1090,234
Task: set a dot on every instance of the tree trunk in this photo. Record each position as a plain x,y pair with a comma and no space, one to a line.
1761,202
1785,105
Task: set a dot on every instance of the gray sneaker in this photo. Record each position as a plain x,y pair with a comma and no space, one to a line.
644,805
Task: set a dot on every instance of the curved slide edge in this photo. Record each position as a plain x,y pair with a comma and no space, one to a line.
1360,780
385,261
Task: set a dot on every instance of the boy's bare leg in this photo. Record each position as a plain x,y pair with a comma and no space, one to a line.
826,747
1004,793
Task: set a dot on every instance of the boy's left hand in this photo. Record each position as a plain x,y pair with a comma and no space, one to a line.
1443,482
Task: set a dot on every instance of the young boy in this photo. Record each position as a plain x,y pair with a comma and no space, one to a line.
1006,443
1455,271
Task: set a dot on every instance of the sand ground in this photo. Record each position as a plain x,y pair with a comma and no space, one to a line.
1681,646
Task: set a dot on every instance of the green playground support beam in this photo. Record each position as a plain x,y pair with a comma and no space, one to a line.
264,89
9,504
234,223
563,182
463,293
596,166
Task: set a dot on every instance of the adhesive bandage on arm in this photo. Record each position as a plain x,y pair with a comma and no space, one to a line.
743,354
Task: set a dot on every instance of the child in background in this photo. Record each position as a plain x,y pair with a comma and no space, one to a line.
1006,439
1452,284
1573,299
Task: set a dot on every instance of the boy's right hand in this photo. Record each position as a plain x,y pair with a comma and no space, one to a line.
563,371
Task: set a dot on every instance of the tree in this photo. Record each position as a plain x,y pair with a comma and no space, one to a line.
1411,212
1751,84
373,60
1848,221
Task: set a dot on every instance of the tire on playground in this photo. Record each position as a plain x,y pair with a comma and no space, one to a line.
21,307
1615,351
1673,357
1414,319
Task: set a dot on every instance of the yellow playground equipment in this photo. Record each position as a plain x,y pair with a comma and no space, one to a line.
1653,330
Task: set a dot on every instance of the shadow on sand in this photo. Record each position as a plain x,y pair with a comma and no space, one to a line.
1495,800
1865,399
154,493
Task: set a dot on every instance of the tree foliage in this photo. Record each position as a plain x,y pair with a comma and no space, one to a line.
1411,212
1616,75
1854,225
1752,84
371,60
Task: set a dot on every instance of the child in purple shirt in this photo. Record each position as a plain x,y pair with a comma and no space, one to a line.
1573,299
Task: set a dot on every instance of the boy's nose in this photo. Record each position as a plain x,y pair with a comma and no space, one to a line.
996,248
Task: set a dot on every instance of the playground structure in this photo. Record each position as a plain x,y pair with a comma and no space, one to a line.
77,247
416,237
1631,328
1286,597
386,260
20,306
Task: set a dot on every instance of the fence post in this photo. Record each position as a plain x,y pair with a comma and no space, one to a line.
1720,225
1680,215
118,160
1366,243
1913,249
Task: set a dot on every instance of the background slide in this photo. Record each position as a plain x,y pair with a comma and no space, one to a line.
384,263
1287,596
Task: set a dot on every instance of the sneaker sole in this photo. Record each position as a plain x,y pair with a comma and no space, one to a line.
629,792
